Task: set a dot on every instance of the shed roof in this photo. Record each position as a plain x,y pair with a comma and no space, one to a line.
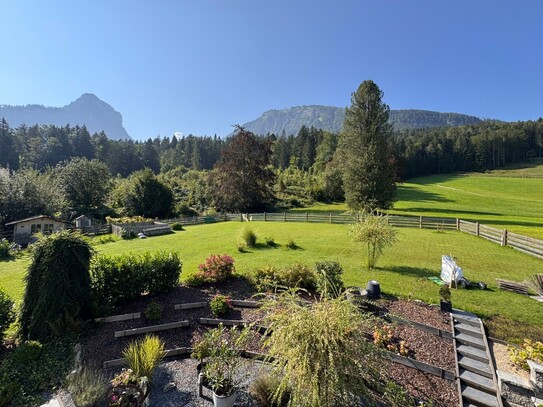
38,217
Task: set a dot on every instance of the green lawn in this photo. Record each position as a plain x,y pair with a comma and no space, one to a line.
403,268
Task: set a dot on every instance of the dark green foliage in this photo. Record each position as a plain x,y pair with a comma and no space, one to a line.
153,311
242,180
144,195
177,226
117,279
294,276
7,313
58,286
85,183
328,278
128,234
33,368
5,249
365,152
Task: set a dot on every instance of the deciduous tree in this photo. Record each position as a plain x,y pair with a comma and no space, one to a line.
242,180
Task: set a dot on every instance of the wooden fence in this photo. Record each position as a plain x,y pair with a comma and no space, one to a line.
528,245
95,230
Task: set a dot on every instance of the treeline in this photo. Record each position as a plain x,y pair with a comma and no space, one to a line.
67,171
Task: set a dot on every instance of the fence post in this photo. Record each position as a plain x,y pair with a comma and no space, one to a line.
330,217
420,222
457,224
241,217
307,217
284,216
504,238
264,216
476,228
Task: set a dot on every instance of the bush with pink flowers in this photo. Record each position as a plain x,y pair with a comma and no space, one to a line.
216,268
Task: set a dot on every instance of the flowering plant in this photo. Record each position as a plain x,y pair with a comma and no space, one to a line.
125,390
216,268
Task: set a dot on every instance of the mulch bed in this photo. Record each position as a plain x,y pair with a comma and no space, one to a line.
99,343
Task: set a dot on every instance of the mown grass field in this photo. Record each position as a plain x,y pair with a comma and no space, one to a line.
403,270
510,198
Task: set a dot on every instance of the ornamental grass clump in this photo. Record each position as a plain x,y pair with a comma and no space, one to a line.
142,356
376,233
248,236
319,353
87,386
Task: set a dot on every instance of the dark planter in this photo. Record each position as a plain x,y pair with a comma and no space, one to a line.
445,306
126,395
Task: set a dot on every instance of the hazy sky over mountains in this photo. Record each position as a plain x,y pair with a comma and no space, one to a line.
200,66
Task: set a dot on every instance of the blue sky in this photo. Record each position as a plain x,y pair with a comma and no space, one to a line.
200,66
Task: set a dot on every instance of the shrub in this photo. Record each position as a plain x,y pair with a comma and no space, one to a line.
144,355
270,241
153,311
320,353
32,368
291,244
87,387
177,226
195,280
263,388
376,233
328,278
528,350
220,305
128,219
248,236
295,276
383,337
58,284
5,249
7,313
128,234
117,279
217,268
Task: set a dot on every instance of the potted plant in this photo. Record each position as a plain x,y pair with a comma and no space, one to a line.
201,350
226,347
445,301
127,390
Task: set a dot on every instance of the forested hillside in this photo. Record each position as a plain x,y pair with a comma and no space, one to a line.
330,118
40,165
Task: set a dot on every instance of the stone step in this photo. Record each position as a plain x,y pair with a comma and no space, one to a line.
479,398
469,329
477,381
466,318
475,366
473,353
465,339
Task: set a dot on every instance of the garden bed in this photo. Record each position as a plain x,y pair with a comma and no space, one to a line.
99,343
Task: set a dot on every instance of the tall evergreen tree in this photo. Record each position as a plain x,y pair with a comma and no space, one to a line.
364,151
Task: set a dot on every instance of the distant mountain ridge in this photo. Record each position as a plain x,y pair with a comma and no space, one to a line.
87,110
330,118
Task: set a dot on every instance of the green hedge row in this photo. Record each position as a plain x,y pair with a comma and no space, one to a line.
118,279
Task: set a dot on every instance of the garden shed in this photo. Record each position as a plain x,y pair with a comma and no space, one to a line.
23,229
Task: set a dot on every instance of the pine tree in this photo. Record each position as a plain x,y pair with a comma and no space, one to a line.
364,151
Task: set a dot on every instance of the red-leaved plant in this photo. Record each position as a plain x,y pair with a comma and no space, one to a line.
216,268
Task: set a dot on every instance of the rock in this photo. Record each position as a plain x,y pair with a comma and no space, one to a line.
168,387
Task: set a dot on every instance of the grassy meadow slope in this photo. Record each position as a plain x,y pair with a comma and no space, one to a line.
510,198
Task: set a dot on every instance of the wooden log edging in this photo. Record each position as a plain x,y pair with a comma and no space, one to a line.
153,328
424,367
190,305
116,318
423,327
225,322
245,304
